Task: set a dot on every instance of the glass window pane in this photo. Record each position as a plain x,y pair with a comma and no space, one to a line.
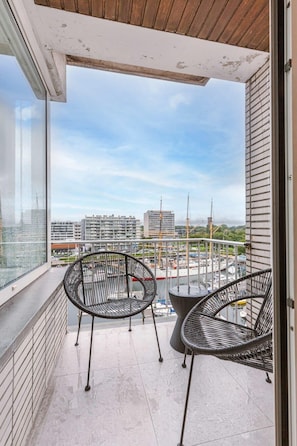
23,244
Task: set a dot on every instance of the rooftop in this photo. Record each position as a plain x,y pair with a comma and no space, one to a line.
135,400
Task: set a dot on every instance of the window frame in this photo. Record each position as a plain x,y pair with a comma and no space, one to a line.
27,64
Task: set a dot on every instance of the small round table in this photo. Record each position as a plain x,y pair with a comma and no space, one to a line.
183,298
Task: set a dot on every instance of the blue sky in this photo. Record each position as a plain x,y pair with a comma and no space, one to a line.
121,143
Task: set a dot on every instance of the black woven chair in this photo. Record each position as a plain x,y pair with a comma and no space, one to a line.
110,285
207,331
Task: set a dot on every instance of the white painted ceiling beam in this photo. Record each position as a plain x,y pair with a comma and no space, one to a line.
60,33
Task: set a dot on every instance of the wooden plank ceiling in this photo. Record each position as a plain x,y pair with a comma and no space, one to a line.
243,23
238,23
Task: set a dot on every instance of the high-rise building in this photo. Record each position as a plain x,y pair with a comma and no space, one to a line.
159,224
103,227
77,230
64,230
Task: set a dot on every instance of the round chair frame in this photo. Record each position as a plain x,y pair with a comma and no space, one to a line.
110,285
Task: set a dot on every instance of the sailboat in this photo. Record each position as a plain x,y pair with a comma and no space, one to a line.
187,268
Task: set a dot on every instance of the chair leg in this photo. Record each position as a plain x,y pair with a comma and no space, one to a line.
78,328
184,365
154,320
90,355
186,402
268,380
130,327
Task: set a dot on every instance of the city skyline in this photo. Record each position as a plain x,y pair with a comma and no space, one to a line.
202,223
121,144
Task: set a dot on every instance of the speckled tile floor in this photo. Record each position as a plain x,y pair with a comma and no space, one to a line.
135,400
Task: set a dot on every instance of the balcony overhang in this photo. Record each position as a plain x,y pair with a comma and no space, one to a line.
59,37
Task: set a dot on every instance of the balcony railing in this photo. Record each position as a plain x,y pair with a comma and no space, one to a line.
199,262
155,391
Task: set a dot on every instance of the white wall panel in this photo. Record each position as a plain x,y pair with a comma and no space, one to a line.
25,376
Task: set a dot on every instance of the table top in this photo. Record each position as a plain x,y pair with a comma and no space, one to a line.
188,291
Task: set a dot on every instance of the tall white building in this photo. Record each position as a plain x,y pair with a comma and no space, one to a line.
64,230
77,230
159,223
103,227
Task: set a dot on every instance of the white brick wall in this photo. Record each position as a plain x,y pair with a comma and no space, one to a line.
258,166
25,375
258,176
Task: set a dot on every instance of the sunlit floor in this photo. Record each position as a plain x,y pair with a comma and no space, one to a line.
135,400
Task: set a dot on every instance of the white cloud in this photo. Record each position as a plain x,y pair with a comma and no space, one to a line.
178,99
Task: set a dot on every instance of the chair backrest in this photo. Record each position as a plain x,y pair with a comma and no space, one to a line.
259,284
264,322
106,276
254,284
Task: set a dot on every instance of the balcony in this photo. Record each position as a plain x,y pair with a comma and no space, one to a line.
135,400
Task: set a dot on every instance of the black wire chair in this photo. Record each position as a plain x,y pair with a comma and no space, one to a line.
110,285
207,331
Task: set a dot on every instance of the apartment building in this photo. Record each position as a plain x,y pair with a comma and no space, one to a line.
159,224
64,230
110,227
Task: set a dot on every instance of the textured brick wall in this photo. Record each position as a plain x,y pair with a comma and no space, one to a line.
25,375
258,170
258,175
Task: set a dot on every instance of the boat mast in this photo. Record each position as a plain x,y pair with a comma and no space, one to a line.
187,232
160,234
210,220
187,245
187,219
210,228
